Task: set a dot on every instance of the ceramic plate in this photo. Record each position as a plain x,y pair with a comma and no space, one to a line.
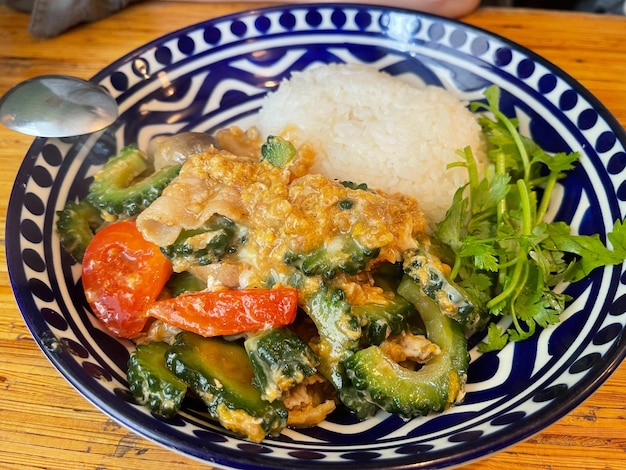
215,74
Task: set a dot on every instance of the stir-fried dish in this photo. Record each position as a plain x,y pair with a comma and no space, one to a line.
274,295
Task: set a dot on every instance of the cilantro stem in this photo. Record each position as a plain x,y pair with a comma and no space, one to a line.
518,291
454,272
512,285
517,139
527,216
508,264
547,194
521,259
472,168
500,162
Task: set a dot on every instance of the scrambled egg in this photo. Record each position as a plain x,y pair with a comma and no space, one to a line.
283,211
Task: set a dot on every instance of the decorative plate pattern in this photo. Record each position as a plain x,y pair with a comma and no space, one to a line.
215,74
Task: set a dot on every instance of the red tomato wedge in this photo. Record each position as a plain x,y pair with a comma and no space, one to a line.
228,312
122,275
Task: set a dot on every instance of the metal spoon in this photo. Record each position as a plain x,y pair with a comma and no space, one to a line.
57,106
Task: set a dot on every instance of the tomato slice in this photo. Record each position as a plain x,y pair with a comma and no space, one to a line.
122,275
228,312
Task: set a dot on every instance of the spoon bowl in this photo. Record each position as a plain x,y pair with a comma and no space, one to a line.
57,106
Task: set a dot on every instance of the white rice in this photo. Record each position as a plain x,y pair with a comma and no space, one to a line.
368,126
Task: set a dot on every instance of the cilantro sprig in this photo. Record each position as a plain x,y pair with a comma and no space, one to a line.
507,257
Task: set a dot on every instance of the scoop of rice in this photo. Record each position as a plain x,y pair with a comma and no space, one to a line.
368,126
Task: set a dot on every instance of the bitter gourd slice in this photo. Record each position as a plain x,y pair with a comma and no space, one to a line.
221,374
151,382
408,393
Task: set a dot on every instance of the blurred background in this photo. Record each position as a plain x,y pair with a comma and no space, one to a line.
49,19
595,6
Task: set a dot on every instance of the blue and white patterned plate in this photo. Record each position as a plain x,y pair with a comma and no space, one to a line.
215,74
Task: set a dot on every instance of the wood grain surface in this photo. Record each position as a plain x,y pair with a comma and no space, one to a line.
46,424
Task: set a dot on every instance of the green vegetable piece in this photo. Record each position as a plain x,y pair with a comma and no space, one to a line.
423,268
408,393
353,185
180,283
381,320
357,401
338,329
76,225
342,254
221,374
345,204
118,187
281,360
387,275
205,245
278,151
152,383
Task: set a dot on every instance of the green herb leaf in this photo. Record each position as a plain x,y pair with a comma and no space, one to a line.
506,256
591,251
496,339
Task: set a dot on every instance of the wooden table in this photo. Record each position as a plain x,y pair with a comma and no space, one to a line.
45,423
